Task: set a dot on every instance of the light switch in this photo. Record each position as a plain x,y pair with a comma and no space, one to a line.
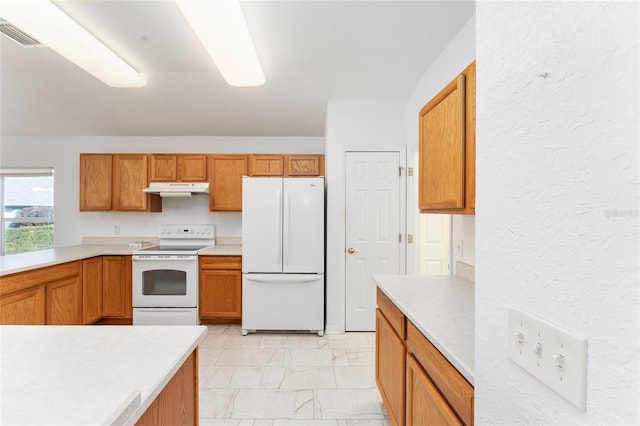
551,354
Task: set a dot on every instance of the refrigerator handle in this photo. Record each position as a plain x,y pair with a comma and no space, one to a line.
286,232
279,227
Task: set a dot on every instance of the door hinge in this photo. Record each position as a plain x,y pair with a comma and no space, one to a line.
399,238
410,238
400,171
410,171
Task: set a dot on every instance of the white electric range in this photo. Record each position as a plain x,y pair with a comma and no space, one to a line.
165,277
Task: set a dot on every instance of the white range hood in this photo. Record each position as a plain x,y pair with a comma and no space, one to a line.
178,189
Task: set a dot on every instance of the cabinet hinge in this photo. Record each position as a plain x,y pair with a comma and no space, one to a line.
410,171
410,238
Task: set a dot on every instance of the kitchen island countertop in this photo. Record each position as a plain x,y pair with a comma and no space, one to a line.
442,308
88,375
39,259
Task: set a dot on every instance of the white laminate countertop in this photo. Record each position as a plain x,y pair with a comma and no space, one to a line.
68,375
442,308
38,259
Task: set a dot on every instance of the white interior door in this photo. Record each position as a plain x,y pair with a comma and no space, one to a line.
435,244
372,232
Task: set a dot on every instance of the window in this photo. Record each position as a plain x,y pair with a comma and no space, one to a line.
27,210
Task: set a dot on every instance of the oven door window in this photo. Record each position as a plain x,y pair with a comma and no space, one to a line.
164,282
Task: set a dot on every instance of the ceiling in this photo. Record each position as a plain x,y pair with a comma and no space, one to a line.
311,52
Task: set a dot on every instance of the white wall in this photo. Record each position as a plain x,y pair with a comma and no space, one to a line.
351,126
63,154
557,201
460,52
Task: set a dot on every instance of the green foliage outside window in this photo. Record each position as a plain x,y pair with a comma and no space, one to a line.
28,238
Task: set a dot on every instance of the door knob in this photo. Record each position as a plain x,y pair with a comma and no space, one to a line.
351,250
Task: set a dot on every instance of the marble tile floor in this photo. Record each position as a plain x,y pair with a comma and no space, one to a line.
275,379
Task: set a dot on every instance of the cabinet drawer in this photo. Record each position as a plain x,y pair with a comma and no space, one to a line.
453,386
392,314
28,279
220,262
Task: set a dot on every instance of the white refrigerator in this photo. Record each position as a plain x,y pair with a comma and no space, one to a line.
283,254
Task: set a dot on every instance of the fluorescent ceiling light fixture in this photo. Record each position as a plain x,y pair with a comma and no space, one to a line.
45,22
220,26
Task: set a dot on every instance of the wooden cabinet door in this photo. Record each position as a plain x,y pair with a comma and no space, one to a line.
129,179
225,181
23,308
91,290
442,149
95,182
470,138
177,404
116,290
425,405
163,168
304,165
266,165
221,294
64,302
192,168
390,369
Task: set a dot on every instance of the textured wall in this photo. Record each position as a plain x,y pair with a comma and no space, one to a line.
557,201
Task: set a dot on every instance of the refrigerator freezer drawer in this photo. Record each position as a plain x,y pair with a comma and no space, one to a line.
283,302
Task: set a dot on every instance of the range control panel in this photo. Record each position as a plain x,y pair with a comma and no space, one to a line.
187,232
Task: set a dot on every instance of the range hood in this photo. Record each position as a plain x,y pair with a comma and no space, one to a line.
177,189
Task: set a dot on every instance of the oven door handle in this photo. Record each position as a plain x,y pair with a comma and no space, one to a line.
166,259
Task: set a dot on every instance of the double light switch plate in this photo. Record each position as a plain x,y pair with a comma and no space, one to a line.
551,354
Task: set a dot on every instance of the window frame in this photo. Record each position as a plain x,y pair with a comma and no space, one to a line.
5,221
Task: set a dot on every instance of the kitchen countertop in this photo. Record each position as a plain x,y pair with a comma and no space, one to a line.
442,308
38,259
80,375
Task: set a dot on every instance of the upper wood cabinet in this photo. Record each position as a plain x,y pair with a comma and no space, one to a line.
95,181
225,181
130,177
266,165
304,165
447,148
114,182
178,168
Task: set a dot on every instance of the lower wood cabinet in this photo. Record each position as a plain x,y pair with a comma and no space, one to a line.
49,295
220,288
63,302
390,368
425,404
72,293
116,290
92,290
23,308
177,404
419,386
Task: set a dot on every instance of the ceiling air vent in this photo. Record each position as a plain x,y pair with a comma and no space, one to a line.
17,35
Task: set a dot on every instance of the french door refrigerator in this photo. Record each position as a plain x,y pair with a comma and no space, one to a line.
283,254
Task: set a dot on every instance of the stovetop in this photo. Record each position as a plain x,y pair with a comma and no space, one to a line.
181,240
167,248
